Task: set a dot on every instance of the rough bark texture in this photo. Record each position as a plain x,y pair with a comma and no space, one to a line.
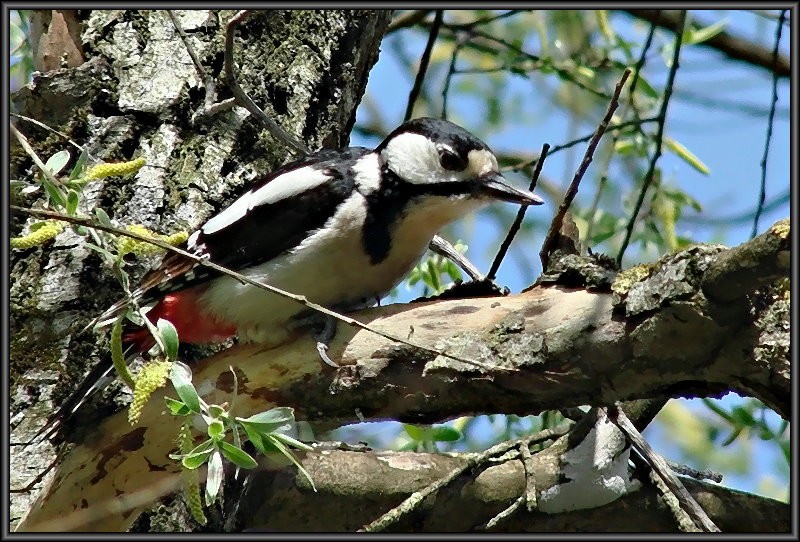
135,96
667,329
551,347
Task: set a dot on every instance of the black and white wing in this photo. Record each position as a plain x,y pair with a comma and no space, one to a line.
274,216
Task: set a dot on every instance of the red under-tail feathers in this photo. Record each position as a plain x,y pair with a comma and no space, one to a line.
192,324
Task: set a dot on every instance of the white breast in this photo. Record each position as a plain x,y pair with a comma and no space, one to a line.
329,268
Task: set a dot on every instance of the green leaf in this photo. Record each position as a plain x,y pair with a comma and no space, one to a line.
169,338
286,439
177,408
98,249
624,146
72,202
57,162
216,411
56,194
214,478
216,430
416,432
205,446
280,418
181,377
195,461
445,433
693,36
102,217
197,456
645,86
686,155
258,440
237,456
433,274
80,165
287,453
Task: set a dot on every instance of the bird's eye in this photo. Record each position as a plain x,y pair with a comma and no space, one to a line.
451,161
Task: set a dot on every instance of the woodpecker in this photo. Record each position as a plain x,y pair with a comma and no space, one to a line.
341,227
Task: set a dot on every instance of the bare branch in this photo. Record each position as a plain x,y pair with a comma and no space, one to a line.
662,117
423,63
572,191
762,195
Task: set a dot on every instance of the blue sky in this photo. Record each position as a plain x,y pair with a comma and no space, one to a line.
728,137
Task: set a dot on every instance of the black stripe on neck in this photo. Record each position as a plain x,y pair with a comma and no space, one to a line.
386,206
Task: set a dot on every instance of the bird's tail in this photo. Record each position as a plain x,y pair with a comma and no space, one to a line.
100,376
135,341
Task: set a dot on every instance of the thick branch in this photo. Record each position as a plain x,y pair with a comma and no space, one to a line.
356,487
749,266
569,347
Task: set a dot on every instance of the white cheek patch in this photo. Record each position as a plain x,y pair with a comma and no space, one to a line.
415,159
284,186
481,162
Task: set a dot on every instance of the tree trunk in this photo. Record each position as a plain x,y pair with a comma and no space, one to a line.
135,96
699,322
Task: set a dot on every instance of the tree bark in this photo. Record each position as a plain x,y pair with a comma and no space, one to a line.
667,329
135,96
549,347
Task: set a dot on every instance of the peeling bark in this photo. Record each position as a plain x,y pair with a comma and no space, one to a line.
552,347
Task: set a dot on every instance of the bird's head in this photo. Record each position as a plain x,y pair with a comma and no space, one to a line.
438,158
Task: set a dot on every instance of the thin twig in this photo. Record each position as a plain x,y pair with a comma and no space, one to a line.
416,498
563,72
244,100
584,139
208,82
572,191
246,280
487,20
639,65
505,513
35,157
530,478
684,521
423,63
528,496
512,231
53,130
662,117
686,470
618,417
407,19
762,196
637,70
451,70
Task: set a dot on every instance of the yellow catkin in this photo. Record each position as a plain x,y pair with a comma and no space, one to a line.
48,230
126,245
100,171
152,376
191,477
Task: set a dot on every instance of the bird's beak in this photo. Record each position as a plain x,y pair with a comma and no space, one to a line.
495,186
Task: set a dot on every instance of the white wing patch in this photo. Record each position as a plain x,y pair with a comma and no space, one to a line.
230,215
287,185
284,186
